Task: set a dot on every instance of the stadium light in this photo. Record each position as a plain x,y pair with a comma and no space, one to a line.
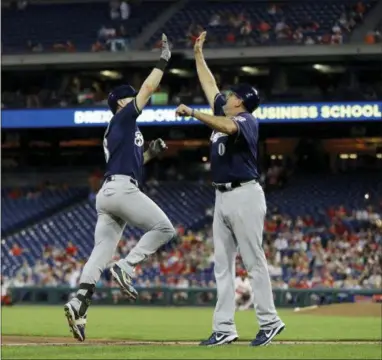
328,69
111,74
250,70
180,72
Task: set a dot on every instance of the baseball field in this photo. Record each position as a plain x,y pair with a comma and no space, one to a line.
349,331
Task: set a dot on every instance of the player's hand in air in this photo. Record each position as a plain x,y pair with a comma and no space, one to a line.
166,53
157,146
198,47
183,110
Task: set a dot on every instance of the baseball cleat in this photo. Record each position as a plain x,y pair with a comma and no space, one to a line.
125,282
264,337
76,323
219,338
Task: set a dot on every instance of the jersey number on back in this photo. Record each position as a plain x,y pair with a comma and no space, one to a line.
106,150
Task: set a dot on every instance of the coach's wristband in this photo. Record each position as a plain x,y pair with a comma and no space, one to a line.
161,64
193,113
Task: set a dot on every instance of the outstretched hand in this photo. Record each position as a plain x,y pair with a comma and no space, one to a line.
198,47
166,53
183,110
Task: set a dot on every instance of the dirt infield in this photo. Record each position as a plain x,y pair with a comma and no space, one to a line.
349,310
67,341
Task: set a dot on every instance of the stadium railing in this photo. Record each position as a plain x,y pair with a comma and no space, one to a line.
169,296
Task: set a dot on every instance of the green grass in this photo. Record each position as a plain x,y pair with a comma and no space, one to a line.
138,323
192,352
185,324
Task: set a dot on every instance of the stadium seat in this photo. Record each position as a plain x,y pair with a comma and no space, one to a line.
303,196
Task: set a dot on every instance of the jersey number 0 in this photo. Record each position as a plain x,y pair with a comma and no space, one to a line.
221,149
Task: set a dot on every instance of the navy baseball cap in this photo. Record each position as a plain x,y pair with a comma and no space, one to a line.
120,92
248,94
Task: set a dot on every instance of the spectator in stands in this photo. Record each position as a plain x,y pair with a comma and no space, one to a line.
70,46
298,36
33,193
280,28
182,283
64,47
344,22
273,9
115,10
337,35
243,292
105,33
235,20
264,27
5,294
14,194
281,242
25,271
16,250
34,46
310,25
97,47
118,43
215,20
245,31
358,11
230,38
309,40
122,33
125,10
18,281
274,267
74,274
71,250
373,37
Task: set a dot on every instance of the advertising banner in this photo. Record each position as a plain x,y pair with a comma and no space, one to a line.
165,115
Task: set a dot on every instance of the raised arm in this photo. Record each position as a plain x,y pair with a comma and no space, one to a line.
224,124
153,80
206,78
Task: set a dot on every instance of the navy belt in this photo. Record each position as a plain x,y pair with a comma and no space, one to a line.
114,177
231,185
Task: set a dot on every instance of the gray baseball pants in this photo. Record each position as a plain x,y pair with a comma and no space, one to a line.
118,203
238,225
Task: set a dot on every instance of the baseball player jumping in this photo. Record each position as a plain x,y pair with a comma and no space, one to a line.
120,202
239,206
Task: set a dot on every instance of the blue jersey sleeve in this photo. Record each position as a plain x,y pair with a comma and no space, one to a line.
247,128
131,110
219,102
